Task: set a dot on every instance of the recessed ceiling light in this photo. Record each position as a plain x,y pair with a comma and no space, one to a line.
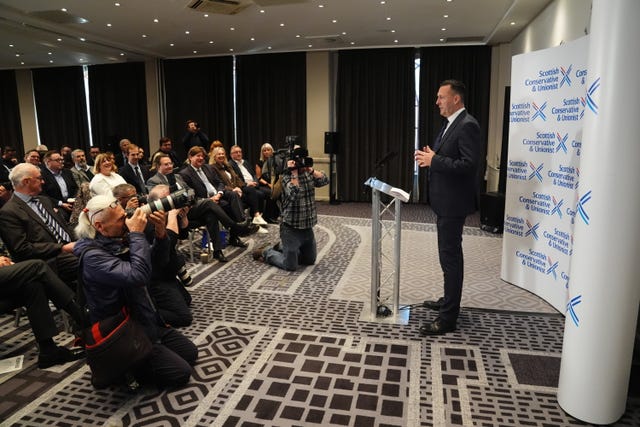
352,43
393,31
310,45
195,51
282,24
231,50
10,45
171,44
512,23
48,53
108,25
82,39
344,33
121,53
261,10
63,9
51,61
443,29
297,36
117,4
156,20
17,55
445,16
395,41
186,32
269,47
21,62
59,39
441,40
253,39
334,21
144,36
232,28
82,59
206,15
383,2
388,18
320,5
210,41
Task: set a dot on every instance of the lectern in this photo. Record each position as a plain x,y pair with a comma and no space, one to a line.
379,231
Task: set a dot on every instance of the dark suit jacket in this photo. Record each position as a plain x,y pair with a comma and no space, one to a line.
51,188
191,178
129,175
25,234
453,184
162,179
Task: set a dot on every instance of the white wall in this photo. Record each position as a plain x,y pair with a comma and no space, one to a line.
561,21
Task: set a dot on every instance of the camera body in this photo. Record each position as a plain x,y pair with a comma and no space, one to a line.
142,199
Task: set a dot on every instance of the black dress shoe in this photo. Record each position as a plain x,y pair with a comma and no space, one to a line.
433,305
235,241
437,327
217,254
59,356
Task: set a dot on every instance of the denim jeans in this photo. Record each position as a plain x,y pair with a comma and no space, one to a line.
296,247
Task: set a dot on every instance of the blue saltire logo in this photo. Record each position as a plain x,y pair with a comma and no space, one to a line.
557,207
562,142
571,309
581,210
539,111
566,75
533,230
591,103
536,171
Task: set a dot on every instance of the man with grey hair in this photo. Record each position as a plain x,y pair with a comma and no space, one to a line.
81,171
32,229
115,273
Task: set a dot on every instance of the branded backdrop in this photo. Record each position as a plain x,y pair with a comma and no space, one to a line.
548,103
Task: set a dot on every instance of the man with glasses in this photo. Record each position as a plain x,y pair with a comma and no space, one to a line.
58,183
32,229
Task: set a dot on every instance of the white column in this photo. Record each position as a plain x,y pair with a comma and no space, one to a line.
604,282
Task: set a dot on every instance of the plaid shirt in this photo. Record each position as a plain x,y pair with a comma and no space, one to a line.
299,201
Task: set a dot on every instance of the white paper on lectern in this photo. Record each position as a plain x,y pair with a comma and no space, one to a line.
398,193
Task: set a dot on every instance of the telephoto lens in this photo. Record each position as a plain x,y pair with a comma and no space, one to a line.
176,200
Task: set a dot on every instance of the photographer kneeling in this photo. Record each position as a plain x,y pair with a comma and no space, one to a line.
115,268
298,243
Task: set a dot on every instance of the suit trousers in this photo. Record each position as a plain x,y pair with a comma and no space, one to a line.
171,359
32,283
452,264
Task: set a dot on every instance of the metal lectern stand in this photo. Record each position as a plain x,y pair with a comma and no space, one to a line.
379,311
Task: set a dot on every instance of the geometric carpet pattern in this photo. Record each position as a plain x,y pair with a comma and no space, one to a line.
285,349
420,275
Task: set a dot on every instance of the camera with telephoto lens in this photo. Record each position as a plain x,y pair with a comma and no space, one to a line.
176,200
142,199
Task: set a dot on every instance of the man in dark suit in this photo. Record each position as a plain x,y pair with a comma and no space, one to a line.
133,173
206,184
32,229
58,183
453,164
203,212
121,157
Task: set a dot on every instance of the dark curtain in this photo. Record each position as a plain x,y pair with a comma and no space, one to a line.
472,66
199,89
375,117
61,107
118,99
271,100
10,125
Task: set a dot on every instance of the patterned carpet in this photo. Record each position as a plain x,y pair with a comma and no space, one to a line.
289,349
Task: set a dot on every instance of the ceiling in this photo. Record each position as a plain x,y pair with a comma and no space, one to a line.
47,33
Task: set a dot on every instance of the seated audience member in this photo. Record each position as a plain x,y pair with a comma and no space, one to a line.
93,153
65,152
215,144
245,174
105,175
171,298
81,170
132,172
206,184
166,147
6,191
42,149
58,183
142,159
4,172
266,173
205,211
9,157
120,159
32,284
33,157
32,229
115,272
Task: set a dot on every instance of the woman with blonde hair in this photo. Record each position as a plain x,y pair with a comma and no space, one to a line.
105,176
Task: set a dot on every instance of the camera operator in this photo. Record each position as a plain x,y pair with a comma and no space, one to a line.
298,242
194,136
